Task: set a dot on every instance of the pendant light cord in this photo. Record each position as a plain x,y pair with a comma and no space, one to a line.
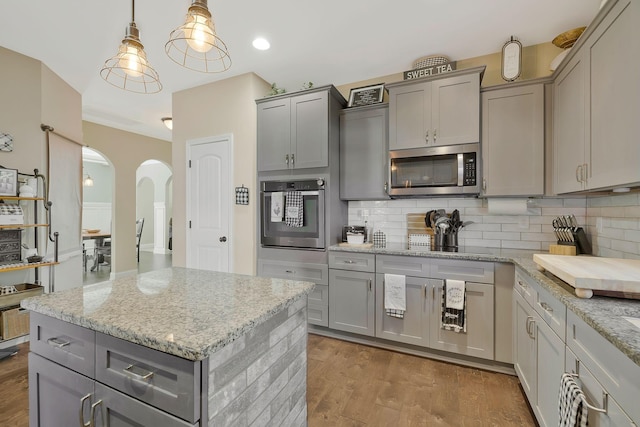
133,10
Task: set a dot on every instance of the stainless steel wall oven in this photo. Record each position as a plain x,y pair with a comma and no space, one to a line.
276,231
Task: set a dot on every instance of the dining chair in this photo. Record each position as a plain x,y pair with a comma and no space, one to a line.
139,225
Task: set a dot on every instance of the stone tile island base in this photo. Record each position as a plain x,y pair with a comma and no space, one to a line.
261,378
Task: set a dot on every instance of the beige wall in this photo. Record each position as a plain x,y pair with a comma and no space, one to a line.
220,108
535,63
33,95
125,151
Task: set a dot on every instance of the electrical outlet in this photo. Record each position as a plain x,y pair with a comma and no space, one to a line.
599,225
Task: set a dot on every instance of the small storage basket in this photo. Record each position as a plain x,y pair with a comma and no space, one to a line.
430,61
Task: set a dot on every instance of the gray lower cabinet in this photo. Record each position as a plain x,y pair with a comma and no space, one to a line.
414,327
478,340
538,350
364,153
318,300
352,301
81,377
513,128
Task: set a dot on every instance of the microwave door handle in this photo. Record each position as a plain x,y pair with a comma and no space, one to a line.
309,193
460,170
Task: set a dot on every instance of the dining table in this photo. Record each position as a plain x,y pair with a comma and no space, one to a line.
99,236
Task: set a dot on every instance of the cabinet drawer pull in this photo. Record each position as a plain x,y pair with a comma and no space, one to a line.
435,135
286,159
426,136
293,160
290,271
522,284
349,261
605,400
370,288
57,342
143,375
546,307
92,421
82,423
578,173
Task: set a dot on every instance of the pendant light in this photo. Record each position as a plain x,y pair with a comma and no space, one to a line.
88,181
129,69
195,45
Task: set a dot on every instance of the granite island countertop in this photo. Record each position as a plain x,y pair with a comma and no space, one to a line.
184,312
604,314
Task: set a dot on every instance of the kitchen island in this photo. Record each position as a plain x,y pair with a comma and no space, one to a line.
170,347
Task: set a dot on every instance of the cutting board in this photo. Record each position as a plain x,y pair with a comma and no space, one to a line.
607,276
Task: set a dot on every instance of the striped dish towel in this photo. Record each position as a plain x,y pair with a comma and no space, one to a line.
573,403
294,209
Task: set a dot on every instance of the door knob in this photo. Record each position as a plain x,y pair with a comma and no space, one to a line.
223,239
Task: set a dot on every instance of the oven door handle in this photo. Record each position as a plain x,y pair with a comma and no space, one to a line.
303,193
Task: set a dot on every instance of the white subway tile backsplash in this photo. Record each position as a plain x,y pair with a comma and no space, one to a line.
619,216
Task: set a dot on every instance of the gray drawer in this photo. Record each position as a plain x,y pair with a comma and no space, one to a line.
472,271
318,315
173,383
69,345
406,265
355,261
319,296
553,311
526,287
308,272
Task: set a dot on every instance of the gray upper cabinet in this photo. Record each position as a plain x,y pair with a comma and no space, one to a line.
569,126
513,141
435,111
295,131
596,105
363,153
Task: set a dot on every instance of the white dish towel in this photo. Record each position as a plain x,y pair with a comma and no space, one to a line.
395,295
277,206
455,294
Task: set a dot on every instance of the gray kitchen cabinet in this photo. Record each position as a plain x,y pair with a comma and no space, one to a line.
59,393
539,352
352,301
513,141
364,153
610,372
596,104
318,299
570,131
478,340
296,130
435,110
76,372
414,327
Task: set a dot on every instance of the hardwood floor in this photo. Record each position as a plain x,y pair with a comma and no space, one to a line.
355,385
14,389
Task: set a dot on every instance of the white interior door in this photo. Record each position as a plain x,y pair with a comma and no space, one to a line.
209,204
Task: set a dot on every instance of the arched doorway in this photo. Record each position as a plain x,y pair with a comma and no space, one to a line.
154,181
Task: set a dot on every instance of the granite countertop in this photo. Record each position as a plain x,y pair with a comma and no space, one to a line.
184,312
604,314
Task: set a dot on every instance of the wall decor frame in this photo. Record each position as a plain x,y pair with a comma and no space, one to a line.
366,95
8,182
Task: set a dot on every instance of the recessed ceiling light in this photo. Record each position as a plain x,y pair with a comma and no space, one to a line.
261,44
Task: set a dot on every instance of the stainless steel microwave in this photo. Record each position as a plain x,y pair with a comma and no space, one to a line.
435,171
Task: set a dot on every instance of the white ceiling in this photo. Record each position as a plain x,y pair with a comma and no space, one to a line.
326,42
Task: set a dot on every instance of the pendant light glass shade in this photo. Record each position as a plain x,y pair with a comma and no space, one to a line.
88,181
129,68
195,44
